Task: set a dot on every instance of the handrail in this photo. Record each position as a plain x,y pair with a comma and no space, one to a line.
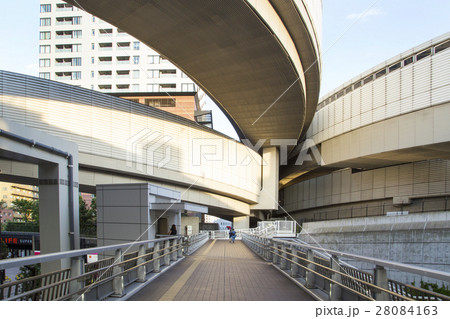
23,261
332,274
437,274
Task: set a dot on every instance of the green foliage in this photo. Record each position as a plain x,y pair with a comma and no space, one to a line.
88,218
4,249
443,290
28,272
22,227
29,209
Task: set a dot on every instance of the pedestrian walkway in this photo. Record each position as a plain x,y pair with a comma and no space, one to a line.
222,271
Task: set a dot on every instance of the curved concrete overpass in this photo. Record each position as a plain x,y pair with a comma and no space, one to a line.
259,60
393,113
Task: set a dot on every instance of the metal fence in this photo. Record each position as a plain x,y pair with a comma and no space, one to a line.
338,280
105,278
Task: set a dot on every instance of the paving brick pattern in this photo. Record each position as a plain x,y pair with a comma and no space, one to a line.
222,271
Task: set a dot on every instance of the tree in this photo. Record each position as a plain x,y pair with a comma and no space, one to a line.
88,218
28,209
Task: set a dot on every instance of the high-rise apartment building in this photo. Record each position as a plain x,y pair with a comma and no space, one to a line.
80,49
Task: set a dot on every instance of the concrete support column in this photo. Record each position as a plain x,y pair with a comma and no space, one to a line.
142,270
242,222
381,280
268,198
335,289
118,282
156,259
310,277
76,269
167,252
294,266
54,220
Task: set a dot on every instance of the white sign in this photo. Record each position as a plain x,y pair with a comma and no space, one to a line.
189,230
396,213
92,258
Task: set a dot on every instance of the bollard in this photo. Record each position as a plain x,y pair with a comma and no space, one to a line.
381,280
142,270
335,289
156,259
294,266
118,283
167,252
310,277
76,269
283,257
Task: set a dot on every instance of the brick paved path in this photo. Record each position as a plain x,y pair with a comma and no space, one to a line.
222,271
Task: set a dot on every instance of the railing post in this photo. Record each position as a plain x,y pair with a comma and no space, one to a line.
156,259
142,270
283,256
335,289
180,247
274,253
269,249
173,255
294,266
167,252
381,280
76,269
118,283
310,277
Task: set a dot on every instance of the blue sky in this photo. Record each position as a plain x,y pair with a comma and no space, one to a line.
351,43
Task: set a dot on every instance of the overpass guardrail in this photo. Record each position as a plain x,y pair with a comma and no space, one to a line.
328,278
120,266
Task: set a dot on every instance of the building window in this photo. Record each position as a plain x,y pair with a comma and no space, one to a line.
93,18
136,59
46,8
44,75
93,46
76,62
45,22
136,45
76,75
152,74
77,34
160,102
135,87
136,74
152,88
43,49
92,60
44,63
76,20
93,31
183,75
76,47
153,59
187,87
92,74
44,35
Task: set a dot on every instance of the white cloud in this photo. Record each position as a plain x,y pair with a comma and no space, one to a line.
365,14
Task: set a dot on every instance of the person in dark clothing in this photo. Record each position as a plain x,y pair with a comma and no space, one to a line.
173,230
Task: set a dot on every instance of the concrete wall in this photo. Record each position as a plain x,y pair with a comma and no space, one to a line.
190,221
415,239
421,183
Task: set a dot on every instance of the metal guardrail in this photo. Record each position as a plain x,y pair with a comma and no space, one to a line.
107,277
307,265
